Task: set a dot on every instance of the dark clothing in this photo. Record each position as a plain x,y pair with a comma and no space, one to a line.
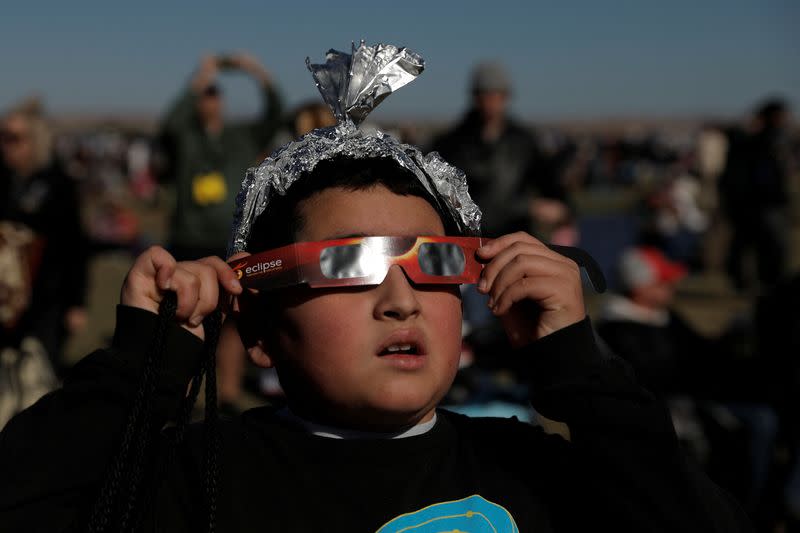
208,169
503,175
668,359
756,172
754,195
623,469
47,204
672,358
700,377
777,320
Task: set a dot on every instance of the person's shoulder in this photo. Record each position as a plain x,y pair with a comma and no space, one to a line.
467,127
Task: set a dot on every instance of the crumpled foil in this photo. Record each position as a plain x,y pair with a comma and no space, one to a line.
353,85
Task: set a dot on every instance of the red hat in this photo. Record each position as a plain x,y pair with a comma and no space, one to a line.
645,265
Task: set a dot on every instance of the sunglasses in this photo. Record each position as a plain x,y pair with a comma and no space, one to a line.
366,261
11,137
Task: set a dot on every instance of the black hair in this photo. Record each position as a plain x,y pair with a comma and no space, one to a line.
770,111
282,221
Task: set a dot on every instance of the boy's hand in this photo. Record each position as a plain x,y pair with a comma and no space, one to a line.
196,283
534,290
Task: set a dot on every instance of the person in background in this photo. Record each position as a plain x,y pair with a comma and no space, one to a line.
695,374
205,157
638,324
754,195
43,258
511,180
298,121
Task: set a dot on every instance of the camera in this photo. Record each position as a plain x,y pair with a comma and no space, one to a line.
226,62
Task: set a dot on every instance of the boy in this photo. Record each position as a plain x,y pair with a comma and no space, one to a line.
361,446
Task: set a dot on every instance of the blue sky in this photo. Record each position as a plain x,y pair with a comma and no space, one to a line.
567,59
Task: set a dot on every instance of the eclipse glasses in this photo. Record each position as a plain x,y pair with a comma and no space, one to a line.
358,261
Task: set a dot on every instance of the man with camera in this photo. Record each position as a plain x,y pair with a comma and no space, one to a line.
205,157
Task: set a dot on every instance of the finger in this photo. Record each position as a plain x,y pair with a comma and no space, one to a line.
495,246
186,285
163,265
526,265
233,306
208,290
548,293
225,275
502,258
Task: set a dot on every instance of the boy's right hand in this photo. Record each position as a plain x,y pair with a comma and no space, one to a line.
196,283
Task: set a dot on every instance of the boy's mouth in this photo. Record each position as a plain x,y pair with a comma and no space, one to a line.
400,349
404,342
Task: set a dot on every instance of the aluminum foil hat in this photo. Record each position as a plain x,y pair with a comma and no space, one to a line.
353,85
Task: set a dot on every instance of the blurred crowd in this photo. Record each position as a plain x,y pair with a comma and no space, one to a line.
658,208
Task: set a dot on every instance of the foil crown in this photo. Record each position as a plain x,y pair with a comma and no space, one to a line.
353,85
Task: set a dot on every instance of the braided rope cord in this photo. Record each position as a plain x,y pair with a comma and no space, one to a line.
212,326
118,501
110,494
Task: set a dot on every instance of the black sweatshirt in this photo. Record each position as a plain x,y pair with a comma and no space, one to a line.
622,471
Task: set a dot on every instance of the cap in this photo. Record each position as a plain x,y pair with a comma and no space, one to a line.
490,76
645,265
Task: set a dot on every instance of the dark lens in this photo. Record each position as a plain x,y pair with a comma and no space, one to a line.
10,137
211,91
348,261
441,259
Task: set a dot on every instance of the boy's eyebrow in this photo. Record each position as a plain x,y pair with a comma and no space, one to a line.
338,236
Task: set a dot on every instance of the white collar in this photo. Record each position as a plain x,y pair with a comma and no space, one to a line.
621,308
331,432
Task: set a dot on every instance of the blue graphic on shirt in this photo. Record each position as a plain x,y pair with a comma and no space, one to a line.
470,515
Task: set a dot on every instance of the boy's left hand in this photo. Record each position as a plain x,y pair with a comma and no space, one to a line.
534,290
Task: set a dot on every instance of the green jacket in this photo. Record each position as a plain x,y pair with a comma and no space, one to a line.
207,170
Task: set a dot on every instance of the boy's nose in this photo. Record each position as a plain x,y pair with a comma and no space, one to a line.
397,299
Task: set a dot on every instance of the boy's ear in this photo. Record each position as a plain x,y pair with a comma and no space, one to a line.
249,332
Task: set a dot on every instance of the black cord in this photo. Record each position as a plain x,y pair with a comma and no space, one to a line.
136,434
212,326
116,507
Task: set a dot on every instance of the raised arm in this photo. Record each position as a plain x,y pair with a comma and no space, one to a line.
265,126
623,464
54,455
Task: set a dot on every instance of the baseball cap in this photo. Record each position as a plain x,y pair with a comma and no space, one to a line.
490,76
644,265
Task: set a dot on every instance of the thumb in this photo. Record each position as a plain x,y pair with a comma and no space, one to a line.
233,303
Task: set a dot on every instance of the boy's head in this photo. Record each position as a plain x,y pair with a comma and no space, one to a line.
367,357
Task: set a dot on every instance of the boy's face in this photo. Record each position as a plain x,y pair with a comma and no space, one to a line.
332,346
